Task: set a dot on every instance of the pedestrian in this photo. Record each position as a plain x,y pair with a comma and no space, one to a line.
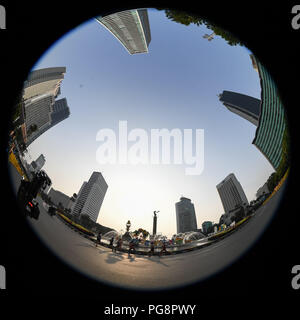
131,247
99,236
151,252
163,249
111,242
119,244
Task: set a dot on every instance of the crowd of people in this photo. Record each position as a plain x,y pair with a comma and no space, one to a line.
117,246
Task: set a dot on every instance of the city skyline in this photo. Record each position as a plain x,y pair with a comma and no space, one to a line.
105,84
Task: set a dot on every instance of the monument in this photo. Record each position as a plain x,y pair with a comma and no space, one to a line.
155,222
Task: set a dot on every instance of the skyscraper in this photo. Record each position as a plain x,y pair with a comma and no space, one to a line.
231,193
59,111
130,27
245,106
37,113
41,111
272,122
185,215
90,197
43,81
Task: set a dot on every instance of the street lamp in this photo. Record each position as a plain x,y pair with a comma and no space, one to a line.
128,225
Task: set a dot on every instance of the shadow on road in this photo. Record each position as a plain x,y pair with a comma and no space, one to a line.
131,258
114,257
156,260
85,245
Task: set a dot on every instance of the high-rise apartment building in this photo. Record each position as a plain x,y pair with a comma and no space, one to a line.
245,106
37,113
91,196
185,215
130,27
59,112
41,111
43,81
272,122
231,193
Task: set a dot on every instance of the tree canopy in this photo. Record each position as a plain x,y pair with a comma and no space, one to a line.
187,19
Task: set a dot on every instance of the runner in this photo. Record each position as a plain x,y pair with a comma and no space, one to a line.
119,244
163,249
131,247
151,252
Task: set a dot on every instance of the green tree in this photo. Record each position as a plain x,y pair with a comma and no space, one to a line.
285,161
139,231
187,18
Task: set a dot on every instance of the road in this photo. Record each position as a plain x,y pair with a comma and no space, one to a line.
141,272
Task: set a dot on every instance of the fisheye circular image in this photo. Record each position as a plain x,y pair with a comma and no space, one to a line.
149,149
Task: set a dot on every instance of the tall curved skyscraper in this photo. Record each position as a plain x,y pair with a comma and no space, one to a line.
272,121
43,81
41,110
245,106
130,27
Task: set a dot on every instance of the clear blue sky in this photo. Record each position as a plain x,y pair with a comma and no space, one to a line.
175,85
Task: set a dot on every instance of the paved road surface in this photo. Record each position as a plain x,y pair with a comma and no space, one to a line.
141,272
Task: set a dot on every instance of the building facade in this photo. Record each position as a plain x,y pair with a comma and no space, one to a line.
185,215
59,111
272,122
245,106
130,27
91,196
262,190
231,193
41,110
43,81
58,197
38,163
37,113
